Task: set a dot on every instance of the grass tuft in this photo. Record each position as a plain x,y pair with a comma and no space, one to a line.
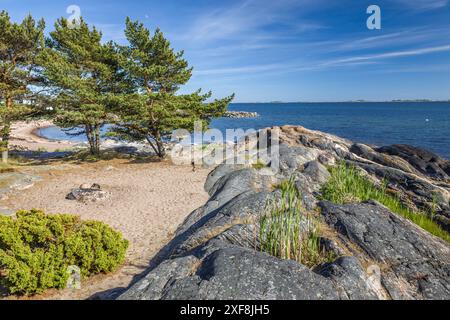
287,232
347,185
259,165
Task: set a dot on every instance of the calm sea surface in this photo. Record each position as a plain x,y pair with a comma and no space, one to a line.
425,125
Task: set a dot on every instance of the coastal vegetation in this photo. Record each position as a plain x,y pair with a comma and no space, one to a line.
20,46
36,250
258,165
348,185
82,74
153,109
287,231
82,83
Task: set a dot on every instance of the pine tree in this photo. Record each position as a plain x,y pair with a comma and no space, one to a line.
20,45
84,75
155,109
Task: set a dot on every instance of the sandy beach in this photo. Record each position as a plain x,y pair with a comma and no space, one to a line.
148,200
23,136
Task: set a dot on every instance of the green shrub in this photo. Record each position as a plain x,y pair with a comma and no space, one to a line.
36,250
347,185
259,165
282,229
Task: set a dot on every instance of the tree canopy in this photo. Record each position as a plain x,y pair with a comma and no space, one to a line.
83,73
154,109
20,46
91,83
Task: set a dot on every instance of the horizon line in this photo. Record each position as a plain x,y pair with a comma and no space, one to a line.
344,101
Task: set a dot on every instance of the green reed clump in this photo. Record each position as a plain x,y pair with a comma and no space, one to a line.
289,233
259,165
348,185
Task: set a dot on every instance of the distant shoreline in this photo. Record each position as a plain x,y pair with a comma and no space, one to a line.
311,102
27,135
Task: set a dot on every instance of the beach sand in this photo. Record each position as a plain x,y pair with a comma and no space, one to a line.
23,136
148,201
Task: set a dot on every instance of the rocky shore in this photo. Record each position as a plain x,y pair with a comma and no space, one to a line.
240,114
215,253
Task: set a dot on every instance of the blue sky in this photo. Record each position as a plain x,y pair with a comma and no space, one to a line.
288,50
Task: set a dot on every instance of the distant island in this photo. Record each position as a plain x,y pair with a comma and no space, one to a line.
347,101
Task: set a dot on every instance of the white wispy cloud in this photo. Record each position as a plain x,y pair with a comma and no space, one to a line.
245,17
324,64
237,70
406,37
388,55
424,4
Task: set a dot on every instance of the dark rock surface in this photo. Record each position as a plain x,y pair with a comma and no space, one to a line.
377,254
424,161
219,270
219,172
419,177
351,280
419,263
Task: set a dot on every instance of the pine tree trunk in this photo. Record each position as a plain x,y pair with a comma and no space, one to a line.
91,136
161,152
6,131
149,140
97,140
87,129
157,145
